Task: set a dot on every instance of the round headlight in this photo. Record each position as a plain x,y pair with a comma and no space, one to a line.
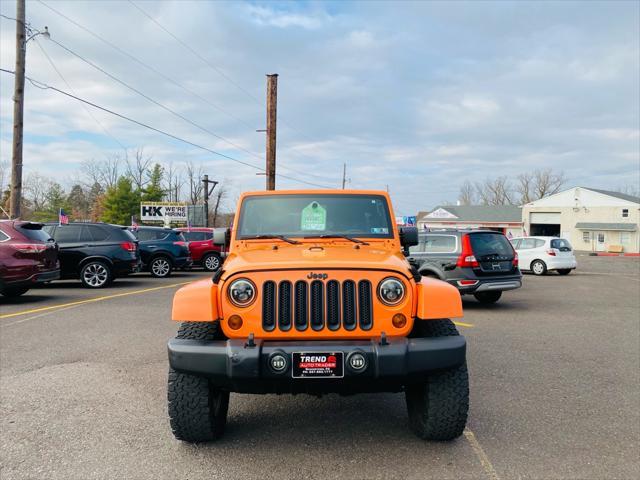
242,292
391,291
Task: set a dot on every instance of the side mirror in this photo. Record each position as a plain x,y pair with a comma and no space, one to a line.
408,237
221,236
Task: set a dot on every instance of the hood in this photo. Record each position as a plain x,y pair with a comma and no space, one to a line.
316,256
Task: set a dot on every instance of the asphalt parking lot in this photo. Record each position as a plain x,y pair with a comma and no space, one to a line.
555,392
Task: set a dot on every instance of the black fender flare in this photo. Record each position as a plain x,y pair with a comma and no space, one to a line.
432,272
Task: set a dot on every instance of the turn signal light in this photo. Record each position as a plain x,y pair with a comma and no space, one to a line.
399,320
466,258
235,322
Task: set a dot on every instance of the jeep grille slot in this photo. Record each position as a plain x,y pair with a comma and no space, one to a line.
300,309
365,305
284,306
333,305
317,305
269,305
349,304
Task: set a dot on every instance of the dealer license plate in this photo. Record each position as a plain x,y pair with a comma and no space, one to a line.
317,364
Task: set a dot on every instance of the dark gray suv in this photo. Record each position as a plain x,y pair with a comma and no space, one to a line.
481,263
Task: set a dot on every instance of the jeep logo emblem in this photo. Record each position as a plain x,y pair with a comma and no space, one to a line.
317,276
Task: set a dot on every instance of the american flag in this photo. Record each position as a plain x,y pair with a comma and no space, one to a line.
63,218
134,223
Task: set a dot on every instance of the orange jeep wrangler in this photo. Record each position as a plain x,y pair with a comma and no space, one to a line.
316,296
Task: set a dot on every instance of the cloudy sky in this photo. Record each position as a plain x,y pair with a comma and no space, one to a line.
416,96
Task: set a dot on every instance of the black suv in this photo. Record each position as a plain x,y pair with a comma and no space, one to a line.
97,253
162,250
478,262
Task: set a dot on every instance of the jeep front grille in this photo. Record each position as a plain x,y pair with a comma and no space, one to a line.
317,305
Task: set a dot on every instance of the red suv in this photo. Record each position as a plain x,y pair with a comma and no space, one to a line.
28,256
203,251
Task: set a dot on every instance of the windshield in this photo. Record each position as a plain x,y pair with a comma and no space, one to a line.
314,215
561,244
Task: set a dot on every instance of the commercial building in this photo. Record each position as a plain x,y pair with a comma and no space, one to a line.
591,219
503,218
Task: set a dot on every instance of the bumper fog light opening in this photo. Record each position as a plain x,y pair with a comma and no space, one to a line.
278,362
357,362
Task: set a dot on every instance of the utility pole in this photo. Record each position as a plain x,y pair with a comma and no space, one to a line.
272,105
344,174
18,112
207,194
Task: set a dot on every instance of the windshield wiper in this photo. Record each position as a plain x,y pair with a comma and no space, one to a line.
266,237
347,237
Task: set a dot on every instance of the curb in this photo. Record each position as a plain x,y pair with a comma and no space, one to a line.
607,254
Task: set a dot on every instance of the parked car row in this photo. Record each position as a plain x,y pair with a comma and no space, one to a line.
96,253
484,263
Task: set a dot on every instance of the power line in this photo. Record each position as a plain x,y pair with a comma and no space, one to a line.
169,79
217,70
109,134
44,86
147,66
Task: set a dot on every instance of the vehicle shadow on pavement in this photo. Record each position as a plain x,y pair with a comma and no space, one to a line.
25,299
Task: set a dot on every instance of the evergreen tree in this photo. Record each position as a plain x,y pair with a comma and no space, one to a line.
153,192
121,202
79,203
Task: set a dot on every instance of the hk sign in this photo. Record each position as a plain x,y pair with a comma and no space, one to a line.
163,212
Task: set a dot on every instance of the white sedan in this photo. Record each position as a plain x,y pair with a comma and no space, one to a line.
542,254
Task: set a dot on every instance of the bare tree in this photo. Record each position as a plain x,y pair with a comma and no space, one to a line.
174,181
138,168
547,182
36,187
4,174
629,189
194,177
219,195
467,194
105,172
494,191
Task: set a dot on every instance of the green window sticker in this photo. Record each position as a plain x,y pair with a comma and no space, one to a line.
314,217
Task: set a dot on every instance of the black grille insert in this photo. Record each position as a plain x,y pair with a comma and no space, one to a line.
365,304
284,306
349,304
269,305
333,305
301,312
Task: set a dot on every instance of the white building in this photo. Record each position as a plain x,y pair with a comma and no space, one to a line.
591,219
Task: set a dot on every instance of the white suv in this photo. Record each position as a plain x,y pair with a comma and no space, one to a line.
541,254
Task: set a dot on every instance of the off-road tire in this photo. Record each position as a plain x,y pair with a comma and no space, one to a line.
438,407
160,266
209,262
538,267
487,298
96,274
564,271
12,292
197,409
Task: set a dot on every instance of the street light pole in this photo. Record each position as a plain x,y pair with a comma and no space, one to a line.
18,112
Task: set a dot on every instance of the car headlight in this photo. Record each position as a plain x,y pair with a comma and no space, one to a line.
242,292
391,291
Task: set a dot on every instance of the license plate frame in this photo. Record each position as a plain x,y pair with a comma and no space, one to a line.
317,365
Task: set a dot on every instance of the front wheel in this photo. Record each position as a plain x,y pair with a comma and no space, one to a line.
14,291
564,271
95,275
438,407
211,262
197,408
160,267
488,297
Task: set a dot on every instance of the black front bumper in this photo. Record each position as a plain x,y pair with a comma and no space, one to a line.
235,366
